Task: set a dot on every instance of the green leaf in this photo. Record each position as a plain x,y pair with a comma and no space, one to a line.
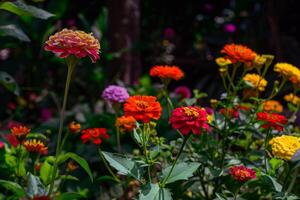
13,31
271,181
296,156
124,165
154,192
20,8
106,178
69,177
14,187
181,171
9,83
81,161
137,132
69,195
46,172
35,187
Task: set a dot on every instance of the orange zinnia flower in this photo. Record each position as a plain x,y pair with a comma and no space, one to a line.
272,106
78,43
143,108
239,53
126,123
167,72
74,127
35,145
20,132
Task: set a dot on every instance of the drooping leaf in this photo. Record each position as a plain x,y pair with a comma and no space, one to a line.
181,171
69,195
137,134
35,187
22,9
9,83
81,161
46,172
124,165
14,187
13,31
69,177
154,192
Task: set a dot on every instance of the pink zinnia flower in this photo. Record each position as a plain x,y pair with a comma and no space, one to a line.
183,92
78,43
189,119
242,173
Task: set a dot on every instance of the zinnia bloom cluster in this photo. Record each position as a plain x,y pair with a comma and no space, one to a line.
35,145
271,120
95,135
126,123
285,146
242,173
292,98
115,94
288,71
239,53
167,72
189,119
20,132
78,43
142,108
272,106
256,81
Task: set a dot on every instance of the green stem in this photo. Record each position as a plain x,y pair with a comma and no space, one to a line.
265,150
292,183
71,62
116,107
107,166
285,183
175,161
275,92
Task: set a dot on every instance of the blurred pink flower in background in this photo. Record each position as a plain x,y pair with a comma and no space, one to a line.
46,114
183,92
229,28
4,54
11,139
1,145
169,33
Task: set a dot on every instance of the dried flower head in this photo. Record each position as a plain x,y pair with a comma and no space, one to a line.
115,94
285,146
242,173
271,120
35,145
126,123
94,135
142,108
239,53
167,72
78,43
272,106
189,119
255,81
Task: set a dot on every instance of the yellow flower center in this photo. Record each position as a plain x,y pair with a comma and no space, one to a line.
191,112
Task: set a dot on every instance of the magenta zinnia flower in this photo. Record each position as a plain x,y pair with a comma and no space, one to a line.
115,94
183,92
78,43
242,173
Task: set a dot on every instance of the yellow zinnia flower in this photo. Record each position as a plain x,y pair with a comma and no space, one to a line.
288,71
292,98
222,61
256,81
285,146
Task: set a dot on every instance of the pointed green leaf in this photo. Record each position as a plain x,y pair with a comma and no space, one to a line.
154,192
9,82
181,171
14,187
13,31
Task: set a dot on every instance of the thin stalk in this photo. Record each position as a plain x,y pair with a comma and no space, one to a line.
292,183
175,161
274,93
71,66
116,107
107,166
285,183
265,150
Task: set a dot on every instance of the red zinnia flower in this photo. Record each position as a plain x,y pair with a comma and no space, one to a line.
37,146
94,135
190,118
239,53
229,112
20,132
242,173
167,72
272,120
78,43
143,108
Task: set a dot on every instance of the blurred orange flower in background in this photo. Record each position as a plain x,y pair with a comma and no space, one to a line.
126,123
272,106
34,145
142,108
167,72
20,132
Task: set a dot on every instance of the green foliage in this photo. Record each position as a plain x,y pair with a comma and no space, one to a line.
154,192
9,82
14,187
